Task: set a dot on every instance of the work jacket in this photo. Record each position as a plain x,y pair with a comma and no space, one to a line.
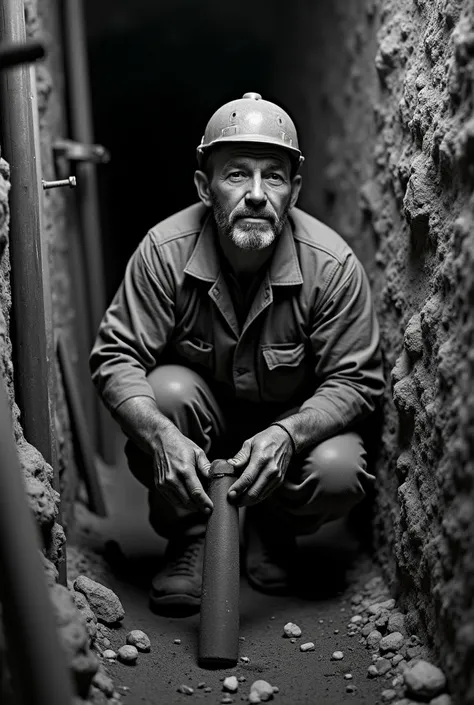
310,339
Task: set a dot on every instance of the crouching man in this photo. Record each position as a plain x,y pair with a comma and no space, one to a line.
243,329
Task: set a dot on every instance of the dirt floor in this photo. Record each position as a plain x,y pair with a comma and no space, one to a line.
330,565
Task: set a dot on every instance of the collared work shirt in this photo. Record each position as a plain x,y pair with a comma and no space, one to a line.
310,338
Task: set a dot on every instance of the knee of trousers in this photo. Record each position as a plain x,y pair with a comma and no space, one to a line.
173,386
331,480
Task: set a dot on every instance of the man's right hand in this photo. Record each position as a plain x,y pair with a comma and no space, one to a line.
179,464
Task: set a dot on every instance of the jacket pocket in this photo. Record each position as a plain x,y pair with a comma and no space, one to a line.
196,351
284,372
283,355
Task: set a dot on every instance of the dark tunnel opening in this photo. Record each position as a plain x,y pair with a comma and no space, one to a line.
157,75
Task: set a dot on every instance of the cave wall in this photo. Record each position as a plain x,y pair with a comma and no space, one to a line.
59,225
384,101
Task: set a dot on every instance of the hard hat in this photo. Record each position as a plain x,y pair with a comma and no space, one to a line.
251,119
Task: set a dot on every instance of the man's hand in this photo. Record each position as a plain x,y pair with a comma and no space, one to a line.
177,463
265,457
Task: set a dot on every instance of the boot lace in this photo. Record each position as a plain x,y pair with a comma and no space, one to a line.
186,562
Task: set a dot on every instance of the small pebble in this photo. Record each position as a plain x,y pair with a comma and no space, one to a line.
226,699
372,671
309,646
356,619
176,641
241,638
231,684
244,659
374,639
139,639
397,681
293,641
108,653
337,656
388,695
275,689
348,676
241,679
272,617
186,689
321,621
262,689
128,654
351,688
291,630
391,642
336,631
396,659
208,689
202,684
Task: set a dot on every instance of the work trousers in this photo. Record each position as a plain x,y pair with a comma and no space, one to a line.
322,483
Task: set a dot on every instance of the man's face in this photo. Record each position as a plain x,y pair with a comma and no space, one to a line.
250,188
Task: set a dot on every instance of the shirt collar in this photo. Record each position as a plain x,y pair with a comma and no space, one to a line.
284,268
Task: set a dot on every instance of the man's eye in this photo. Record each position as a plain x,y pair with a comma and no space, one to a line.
236,175
275,177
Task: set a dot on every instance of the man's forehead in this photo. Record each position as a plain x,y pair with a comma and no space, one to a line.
231,153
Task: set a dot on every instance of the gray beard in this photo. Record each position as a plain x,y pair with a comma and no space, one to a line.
248,236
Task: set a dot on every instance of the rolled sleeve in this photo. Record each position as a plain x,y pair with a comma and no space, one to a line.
345,341
134,330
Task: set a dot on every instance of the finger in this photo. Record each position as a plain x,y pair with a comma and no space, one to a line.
246,480
242,457
195,493
263,487
203,464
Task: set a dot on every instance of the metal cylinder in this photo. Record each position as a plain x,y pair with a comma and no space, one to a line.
219,625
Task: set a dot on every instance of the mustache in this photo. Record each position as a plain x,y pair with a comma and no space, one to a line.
252,214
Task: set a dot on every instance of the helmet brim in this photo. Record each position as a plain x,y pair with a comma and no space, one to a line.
254,139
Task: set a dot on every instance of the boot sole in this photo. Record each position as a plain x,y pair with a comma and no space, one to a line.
176,605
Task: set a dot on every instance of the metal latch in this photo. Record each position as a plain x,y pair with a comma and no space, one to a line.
78,152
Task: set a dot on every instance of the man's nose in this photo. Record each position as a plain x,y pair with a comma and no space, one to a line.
256,194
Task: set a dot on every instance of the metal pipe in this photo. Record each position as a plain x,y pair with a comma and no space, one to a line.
82,131
36,659
219,624
31,315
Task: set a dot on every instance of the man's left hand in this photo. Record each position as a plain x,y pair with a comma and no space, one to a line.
264,459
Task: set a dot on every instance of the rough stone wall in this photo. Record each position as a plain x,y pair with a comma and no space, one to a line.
76,626
385,99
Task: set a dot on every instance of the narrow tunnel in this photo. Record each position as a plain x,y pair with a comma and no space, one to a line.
382,95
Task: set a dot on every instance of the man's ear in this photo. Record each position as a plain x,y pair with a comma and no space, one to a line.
296,184
202,186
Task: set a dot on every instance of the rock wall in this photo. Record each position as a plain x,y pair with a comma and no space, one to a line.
76,623
384,97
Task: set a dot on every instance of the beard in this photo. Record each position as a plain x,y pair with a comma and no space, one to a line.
246,235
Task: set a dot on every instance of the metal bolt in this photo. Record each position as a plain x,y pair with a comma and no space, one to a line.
71,182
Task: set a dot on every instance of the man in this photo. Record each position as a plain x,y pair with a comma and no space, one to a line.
243,329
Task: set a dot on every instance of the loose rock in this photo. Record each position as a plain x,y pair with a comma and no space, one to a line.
391,642
231,684
128,654
337,656
383,666
262,690
356,619
373,639
309,646
444,699
226,699
424,680
244,659
108,653
291,630
351,688
372,671
186,689
103,601
388,695
396,623
104,683
348,676
139,639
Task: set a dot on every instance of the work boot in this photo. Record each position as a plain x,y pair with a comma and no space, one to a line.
177,587
270,549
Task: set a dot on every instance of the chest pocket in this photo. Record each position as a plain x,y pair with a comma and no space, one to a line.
284,371
196,352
